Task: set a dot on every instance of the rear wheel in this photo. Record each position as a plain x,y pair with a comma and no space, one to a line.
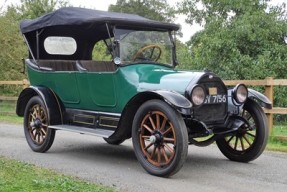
39,137
250,140
160,138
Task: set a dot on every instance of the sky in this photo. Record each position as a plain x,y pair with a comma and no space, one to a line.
187,29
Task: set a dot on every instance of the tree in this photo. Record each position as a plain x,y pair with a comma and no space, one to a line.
153,9
30,9
241,39
12,46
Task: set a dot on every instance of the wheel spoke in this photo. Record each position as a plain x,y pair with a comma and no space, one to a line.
242,144
235,145
169,148
168,130
42,137
33,135
169,140
38,139
163,124
44,125
38,111
230,139
145,137
43,118
148,146
246,139
253,126
152,122
148,128
44,132
164,154
153,152
158,155
250,134
33,116
157,121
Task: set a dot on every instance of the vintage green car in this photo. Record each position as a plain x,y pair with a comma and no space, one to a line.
114,75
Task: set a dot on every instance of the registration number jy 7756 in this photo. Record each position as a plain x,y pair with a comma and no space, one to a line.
215,99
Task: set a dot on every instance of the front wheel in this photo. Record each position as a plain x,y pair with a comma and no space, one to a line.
39,137
159,138
250,140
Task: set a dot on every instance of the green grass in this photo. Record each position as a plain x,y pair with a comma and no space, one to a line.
278,138
11,119
19,176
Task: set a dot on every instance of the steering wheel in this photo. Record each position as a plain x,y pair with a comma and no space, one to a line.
140,53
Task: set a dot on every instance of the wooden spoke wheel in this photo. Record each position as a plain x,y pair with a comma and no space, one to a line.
38,135
159,138
249,141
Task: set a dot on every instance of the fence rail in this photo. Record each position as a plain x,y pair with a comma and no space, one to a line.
268,83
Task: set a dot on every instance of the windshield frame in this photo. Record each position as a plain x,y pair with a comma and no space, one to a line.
117,42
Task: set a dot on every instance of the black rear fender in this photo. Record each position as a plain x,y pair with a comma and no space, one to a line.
52,103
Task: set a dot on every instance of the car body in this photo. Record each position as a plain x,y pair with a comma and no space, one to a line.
134,91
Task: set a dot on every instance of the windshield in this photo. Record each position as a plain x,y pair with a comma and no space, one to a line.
139,46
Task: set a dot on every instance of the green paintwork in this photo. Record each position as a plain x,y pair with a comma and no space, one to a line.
110,91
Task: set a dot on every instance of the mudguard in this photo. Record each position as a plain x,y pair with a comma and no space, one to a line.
176,100
259,98
52,103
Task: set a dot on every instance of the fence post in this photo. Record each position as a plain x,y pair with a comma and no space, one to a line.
269,94
25,83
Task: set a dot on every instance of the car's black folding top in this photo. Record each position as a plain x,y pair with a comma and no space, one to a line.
87,17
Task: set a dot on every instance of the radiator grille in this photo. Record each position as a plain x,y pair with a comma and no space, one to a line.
209,113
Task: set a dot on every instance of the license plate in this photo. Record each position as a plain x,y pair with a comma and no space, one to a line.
210,99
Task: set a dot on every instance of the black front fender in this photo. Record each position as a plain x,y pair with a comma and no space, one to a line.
52,103
259,98
176,100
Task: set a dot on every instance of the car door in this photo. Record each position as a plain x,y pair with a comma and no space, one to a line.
97,84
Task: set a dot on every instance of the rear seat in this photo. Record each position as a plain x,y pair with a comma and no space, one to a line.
59,65
83,65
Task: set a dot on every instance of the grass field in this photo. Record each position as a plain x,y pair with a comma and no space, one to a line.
22,177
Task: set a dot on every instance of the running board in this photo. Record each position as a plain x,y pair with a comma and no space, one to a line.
97,132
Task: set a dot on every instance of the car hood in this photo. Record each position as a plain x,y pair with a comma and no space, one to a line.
148,77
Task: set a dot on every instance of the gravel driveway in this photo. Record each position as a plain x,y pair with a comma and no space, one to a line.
90,158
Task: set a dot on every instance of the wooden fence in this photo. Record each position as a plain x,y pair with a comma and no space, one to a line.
24,83
268,83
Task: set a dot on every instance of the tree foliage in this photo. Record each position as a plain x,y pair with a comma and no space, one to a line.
12,46
158,10
241,39
30,9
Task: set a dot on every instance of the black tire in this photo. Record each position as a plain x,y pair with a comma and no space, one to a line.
39,137
114,141
248,142
159,138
